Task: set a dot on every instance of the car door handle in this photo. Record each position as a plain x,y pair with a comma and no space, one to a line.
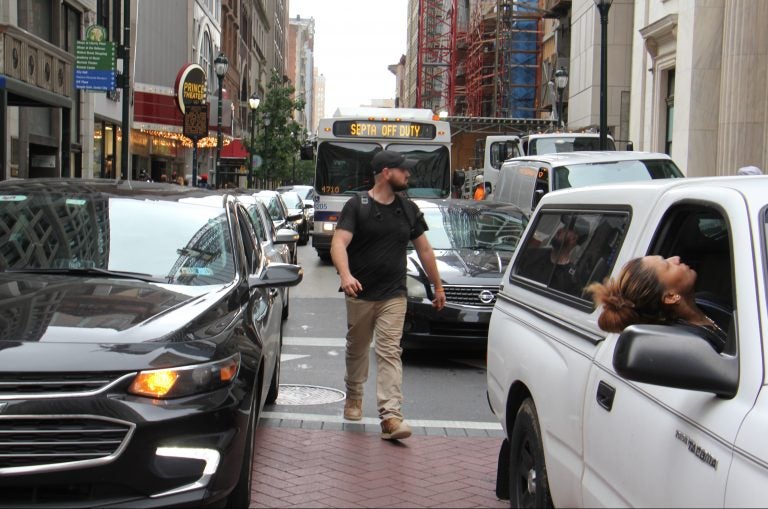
605,394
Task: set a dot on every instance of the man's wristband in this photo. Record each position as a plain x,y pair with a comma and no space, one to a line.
439,290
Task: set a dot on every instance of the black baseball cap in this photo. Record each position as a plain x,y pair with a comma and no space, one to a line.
390,159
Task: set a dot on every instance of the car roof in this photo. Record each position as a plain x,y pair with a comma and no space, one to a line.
643,194
591,156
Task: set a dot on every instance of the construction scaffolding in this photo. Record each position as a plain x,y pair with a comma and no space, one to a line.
499,60
437,44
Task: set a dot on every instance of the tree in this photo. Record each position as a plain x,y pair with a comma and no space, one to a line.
279,137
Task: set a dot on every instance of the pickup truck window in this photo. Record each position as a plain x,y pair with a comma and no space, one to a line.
568,251
700,236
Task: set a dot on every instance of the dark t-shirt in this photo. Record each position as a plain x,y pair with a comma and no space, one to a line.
377,250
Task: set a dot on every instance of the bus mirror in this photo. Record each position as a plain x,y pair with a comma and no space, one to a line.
630,145
458,178
307,152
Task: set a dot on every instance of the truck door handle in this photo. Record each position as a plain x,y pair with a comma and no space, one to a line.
605,394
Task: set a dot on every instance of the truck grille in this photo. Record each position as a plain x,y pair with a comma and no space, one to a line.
37,443
483,296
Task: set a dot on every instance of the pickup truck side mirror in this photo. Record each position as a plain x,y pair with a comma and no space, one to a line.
675,357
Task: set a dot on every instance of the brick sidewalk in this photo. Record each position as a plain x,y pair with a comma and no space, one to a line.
332,468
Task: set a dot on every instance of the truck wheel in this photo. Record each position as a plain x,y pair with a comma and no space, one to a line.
528,483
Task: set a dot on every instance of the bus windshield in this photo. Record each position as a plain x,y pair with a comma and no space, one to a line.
345,168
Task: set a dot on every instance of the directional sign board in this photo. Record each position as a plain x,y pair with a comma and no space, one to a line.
95,64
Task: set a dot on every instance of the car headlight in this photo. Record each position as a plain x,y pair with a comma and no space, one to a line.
185,380
415,287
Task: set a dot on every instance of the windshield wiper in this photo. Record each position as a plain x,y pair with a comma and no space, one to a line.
93,271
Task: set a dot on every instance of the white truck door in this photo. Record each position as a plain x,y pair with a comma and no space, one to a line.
652,446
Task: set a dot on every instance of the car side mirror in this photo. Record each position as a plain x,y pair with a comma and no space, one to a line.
675,357
630,146
286,236
276,275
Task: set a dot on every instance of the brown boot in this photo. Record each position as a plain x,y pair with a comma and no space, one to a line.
353,409
394,429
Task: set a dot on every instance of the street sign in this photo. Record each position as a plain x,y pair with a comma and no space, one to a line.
95,63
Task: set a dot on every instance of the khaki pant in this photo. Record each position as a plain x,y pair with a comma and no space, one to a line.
384,319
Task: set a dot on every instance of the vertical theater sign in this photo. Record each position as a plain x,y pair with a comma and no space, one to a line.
191,93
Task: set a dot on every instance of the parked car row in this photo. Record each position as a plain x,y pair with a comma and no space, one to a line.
140,339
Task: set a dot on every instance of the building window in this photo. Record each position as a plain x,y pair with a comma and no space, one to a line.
206,59
36,17
70,28
670,111
103,15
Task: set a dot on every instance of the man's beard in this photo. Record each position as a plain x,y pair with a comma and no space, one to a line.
398,187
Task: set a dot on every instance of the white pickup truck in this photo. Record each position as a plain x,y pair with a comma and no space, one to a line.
653,416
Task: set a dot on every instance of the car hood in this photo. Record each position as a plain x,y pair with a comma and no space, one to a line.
465,266
39,308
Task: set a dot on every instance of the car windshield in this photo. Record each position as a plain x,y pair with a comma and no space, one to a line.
474,228
292,200
184,242
580,175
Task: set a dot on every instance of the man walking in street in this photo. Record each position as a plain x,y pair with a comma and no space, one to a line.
368,250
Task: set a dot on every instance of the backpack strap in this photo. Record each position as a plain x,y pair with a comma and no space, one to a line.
363,208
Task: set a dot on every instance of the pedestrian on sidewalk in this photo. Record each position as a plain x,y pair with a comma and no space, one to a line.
369,250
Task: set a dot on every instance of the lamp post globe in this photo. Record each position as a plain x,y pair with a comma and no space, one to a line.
220,65
603,6
561,81
253,104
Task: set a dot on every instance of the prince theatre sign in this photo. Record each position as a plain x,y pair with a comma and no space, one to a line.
191,94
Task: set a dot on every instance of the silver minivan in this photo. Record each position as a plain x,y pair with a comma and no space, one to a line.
524,180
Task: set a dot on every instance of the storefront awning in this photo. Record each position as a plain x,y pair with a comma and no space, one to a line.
235,150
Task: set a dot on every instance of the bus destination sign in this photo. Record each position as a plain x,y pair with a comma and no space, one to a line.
383,129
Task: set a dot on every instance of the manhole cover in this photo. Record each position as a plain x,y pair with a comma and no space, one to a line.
308,395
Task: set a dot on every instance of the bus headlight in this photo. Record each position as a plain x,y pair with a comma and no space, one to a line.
329,227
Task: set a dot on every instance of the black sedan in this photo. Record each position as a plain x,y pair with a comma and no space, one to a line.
139,333
473,242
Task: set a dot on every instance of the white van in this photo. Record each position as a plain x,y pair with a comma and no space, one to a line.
524,180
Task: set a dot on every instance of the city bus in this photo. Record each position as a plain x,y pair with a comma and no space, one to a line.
347,142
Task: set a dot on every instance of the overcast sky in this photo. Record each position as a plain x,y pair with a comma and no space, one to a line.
355,42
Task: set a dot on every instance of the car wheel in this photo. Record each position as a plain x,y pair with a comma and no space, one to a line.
528,483
274,385
241,494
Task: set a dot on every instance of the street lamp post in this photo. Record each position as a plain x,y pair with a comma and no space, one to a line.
561,81
253,104
603,6
220,64
267,121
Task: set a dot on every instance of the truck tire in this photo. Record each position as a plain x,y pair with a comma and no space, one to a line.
528,482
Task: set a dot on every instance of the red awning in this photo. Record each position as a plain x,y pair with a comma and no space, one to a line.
235,150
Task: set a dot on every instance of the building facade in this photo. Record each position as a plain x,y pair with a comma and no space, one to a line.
300,65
